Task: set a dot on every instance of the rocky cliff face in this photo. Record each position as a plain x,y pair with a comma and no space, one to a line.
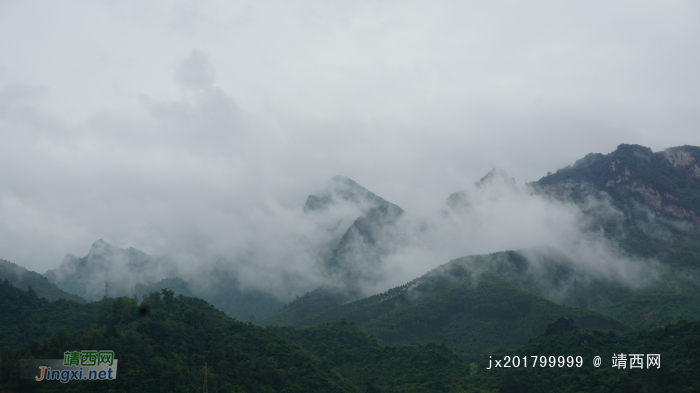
667,182
658,195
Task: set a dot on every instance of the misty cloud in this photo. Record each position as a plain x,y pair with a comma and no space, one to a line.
197,131
196,72
501,215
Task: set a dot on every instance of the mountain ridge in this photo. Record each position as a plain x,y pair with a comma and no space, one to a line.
23,278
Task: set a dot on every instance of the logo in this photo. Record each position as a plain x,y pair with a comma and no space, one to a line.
75,365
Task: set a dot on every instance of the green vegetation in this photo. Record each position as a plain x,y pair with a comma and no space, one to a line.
678,344
474,319
163,343
472,315
175,284
431,368
671,298
312,303
24,317
22,278
359,358
417,337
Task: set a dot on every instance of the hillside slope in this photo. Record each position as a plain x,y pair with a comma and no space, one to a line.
677,344
22,278
358,356
24,317
471,314
163,344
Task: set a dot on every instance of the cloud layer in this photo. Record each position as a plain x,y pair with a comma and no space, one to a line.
198,128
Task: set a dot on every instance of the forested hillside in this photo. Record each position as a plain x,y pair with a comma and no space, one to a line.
472,315
22,278
375,367
24,317
678,345
162,346
163,343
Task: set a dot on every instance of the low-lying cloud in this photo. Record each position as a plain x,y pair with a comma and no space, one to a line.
197,131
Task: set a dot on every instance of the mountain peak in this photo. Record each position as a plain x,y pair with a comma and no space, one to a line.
99,243
100,247
344,189
345,180
495,174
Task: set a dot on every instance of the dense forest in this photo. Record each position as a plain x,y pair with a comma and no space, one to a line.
164,341
678,345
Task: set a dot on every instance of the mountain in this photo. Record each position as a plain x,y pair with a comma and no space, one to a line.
163,343
131,271
471,310
658,195
350,259
308,305
20,277
620,184
668,182
222,289
342,189
646,203
105,264
460,199
360,248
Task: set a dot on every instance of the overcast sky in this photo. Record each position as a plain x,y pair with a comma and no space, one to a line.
145,123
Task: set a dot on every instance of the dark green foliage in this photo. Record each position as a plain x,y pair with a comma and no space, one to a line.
476,318
22,278
175,284
560,325
362,360
678,344
165,349
674,296
312,303
472,315
24,317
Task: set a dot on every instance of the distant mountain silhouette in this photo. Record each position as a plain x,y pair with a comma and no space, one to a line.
121,268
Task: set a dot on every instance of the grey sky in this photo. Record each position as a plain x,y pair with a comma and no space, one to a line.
145,123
